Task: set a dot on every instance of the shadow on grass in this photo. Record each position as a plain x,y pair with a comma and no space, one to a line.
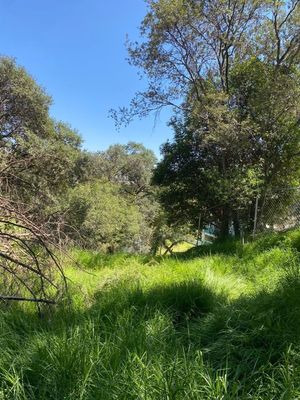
123,320
247,337
226,247
263,242
180,302
253,332
186,300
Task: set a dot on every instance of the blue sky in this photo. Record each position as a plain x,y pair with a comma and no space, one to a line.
75,49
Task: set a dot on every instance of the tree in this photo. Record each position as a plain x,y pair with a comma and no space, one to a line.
101,218
129,165
269,97
24,105
129,168
38,156
191,54
207,174
220,161
37,153
186,43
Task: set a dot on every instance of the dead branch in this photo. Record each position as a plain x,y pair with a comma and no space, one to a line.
16,298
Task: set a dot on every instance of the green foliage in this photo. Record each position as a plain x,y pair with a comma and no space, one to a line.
129,165
113,205
166,237
230,72
37,163
269,98
207,173
102,216
221,326
24,104
229,149
38,155
100,200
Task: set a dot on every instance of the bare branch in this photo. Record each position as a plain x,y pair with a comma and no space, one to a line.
18,298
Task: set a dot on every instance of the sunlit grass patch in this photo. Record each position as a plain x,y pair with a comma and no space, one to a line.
218,324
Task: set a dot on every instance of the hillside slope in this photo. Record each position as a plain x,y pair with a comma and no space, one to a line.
220,322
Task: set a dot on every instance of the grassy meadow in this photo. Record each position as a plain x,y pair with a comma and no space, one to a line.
218,322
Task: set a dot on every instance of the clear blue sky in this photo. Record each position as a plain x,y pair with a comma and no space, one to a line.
76,50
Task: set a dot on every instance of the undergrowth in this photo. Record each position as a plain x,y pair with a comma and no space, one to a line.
218,322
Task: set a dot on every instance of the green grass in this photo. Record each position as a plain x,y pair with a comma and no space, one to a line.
220,322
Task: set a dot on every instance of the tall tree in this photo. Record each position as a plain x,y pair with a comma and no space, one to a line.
37,156
191,53
187,42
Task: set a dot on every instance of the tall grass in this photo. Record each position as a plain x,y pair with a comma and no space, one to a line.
217,323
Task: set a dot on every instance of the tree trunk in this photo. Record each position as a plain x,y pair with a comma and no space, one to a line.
225,219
